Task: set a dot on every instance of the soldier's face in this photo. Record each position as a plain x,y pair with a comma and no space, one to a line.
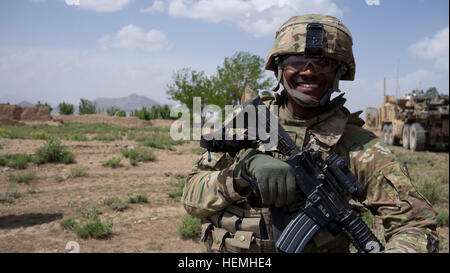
312,77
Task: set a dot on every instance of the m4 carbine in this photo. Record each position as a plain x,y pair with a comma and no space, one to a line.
323,182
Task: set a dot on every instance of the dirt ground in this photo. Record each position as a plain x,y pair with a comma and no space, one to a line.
32,222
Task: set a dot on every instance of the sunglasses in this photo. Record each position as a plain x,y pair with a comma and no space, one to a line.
298,64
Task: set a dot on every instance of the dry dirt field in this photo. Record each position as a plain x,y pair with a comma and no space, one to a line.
32,222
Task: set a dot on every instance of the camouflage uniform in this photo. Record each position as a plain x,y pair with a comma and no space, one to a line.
403,220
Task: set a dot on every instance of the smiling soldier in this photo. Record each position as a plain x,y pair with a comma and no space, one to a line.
310,55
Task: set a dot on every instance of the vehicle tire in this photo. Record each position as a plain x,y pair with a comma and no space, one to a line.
417,137
405,136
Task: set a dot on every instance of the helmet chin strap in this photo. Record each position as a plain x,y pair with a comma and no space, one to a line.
307,101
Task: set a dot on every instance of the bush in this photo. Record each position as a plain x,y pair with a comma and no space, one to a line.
92,228
115,111
52,151
116,204
86,107
190,227
65,108
68,223
141,154
15,161
121,113
140,198
113,163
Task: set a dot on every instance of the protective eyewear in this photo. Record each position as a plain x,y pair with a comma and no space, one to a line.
298,64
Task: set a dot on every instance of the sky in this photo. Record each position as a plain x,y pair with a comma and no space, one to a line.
63,50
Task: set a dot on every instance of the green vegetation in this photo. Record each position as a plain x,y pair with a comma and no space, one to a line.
86,107
116,111
177,190
429,172
39,135
198,150
108,137
78,171
73,130
138,154
442,218
113,163
156,112
92,228
190,227
65,108
160,141
25,178
225,87
140,198
116,204
52,151
9,195
15,161
78,137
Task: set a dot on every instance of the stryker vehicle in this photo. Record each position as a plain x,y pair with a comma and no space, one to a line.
418,121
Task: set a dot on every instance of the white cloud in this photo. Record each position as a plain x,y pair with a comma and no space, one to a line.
133,37
257,17
99,5
158,6
434,49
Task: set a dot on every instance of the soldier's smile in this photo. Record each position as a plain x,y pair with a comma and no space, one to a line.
309,82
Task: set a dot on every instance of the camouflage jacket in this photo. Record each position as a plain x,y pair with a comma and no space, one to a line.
401,218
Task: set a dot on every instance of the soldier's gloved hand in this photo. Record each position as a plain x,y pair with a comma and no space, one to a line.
274,177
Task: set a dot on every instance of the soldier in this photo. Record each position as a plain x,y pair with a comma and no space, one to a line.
404,221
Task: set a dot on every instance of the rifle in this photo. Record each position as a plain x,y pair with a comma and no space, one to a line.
323,182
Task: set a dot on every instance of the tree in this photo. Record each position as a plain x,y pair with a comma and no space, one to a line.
116,111
187,84
226,87
432,93
240,71
65,108
86,107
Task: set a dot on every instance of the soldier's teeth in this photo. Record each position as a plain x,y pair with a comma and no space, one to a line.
309,85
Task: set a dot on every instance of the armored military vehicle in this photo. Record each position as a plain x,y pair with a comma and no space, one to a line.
418,121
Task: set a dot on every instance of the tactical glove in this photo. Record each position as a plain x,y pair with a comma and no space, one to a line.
275,179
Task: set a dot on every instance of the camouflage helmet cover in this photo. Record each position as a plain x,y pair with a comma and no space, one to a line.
291,39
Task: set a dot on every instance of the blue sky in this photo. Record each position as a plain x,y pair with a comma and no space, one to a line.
52,51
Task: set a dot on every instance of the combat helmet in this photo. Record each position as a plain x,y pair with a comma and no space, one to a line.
336,43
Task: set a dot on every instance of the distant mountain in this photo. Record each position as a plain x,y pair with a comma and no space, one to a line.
130,103
26,104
